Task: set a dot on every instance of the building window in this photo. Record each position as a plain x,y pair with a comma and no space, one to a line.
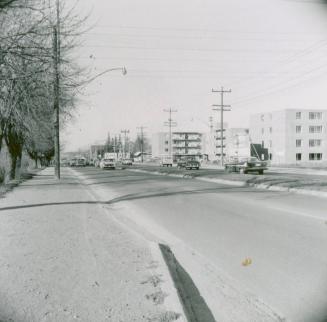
166,150
270,156
270,130
298,143
298,156
314,142
315,156
298,129
315,129
298,115
263,144
315,115
270,143
166,142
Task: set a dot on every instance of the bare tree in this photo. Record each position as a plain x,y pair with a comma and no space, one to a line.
26,86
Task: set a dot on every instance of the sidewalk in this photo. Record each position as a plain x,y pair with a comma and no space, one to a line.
63,258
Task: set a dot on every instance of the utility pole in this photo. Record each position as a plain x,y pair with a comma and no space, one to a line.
125,132
211,124
222,108
170,123
141,128
56,104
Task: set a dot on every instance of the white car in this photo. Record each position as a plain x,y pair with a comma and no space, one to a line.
108,164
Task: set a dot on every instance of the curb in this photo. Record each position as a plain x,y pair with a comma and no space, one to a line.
314,193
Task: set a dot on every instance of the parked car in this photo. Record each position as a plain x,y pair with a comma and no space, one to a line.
166,162
192,164
127,162
246,165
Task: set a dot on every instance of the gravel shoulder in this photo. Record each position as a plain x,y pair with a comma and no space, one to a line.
63,258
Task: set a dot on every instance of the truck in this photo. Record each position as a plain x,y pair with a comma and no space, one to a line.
166,162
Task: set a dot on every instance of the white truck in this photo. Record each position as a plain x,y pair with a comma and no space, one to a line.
166,162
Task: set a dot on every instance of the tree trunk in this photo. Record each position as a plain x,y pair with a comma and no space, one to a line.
18,166
13,165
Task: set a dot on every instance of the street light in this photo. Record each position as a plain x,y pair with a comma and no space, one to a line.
122,69
88,81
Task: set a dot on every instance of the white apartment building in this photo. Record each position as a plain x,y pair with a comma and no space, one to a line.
292,136
237,142
220,140
184,144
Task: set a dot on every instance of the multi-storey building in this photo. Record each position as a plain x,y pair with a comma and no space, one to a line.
187,144
160,144
220,140
184,144
291,136
237,142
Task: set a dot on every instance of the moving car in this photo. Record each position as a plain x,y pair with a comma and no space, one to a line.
192,164
127,162
80,162
108,164
64,162
181,163
73,162
246,165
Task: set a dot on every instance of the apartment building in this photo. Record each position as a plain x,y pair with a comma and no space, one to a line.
184,144
292,136
187,144
238,142
220,140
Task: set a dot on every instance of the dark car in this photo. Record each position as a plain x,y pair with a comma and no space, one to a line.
192,164
246,165
181,163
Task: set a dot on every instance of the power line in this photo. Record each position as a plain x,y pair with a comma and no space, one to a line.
174,29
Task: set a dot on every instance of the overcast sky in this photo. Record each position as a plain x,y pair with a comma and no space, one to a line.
271,53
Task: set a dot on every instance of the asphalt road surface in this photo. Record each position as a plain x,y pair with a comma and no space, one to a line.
271,245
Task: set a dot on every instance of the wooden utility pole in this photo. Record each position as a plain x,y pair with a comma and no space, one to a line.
141,128
56,107
222,108
170,123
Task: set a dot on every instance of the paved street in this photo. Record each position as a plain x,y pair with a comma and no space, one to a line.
267,246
